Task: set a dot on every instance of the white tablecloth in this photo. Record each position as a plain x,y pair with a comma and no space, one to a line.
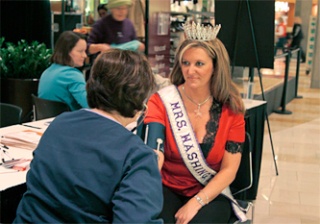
9,177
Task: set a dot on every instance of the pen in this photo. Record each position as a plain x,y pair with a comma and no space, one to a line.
4,146
30,126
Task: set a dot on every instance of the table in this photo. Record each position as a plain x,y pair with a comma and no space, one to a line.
12,183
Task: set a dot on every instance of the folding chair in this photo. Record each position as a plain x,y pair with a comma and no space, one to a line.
10,114
47,108
244,177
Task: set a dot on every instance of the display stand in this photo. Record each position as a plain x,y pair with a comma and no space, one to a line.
243,15
285,84
298,51
261,84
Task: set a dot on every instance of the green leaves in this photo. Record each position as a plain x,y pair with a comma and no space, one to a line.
23,60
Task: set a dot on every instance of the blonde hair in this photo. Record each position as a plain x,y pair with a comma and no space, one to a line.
222,87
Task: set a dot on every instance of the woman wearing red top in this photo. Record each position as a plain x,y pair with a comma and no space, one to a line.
281,35
210,104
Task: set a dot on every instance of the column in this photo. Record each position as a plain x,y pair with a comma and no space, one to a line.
303,9
315,71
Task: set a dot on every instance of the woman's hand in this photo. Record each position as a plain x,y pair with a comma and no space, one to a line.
188,211
95,48
160,158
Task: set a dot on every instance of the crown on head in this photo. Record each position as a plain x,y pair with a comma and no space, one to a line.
200,32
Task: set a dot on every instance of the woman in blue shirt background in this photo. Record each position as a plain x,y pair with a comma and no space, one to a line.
62,81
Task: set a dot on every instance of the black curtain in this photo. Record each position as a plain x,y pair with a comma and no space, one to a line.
26,19
236,30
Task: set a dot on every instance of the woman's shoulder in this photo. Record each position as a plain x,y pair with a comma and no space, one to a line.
101,22
226,109
155,98
66,69
128,22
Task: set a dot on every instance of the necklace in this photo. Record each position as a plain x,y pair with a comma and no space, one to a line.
197,111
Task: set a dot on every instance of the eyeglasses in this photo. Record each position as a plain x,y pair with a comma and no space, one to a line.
143,114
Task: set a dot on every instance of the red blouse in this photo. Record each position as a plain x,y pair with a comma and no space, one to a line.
175,174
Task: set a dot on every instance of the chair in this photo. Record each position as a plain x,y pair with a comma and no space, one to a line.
244,177
10,114
47,108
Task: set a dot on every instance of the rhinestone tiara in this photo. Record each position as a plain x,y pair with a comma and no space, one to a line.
200,32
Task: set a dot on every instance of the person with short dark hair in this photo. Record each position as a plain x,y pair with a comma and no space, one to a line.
88,167
297,36
63,81
102,10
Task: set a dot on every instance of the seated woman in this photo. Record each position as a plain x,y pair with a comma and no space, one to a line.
62,81
197,127
88,168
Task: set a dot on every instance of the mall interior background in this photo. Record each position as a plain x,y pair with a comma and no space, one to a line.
45,20
43,23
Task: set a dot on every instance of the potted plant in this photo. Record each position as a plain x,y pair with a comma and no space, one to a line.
21,66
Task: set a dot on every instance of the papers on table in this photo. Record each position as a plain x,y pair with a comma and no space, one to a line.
15,160
16,164
26,139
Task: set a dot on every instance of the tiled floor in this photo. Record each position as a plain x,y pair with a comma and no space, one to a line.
294,195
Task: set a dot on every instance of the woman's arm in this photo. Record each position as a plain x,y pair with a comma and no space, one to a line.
227,173
77,88
160,158
95,41
95,48
155,127
139,196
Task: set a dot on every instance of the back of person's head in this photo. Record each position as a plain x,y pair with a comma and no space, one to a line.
117,3
121,81
64,45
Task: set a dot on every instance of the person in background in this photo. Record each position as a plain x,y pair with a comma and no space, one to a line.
281,35
114,30
102,10
297,36
197,127
88,168
62,81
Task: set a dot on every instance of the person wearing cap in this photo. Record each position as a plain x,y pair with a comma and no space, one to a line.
114,30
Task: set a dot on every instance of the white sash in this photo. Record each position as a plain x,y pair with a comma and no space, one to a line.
188,145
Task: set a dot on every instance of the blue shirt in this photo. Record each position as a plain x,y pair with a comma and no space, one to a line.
64,84
90,169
